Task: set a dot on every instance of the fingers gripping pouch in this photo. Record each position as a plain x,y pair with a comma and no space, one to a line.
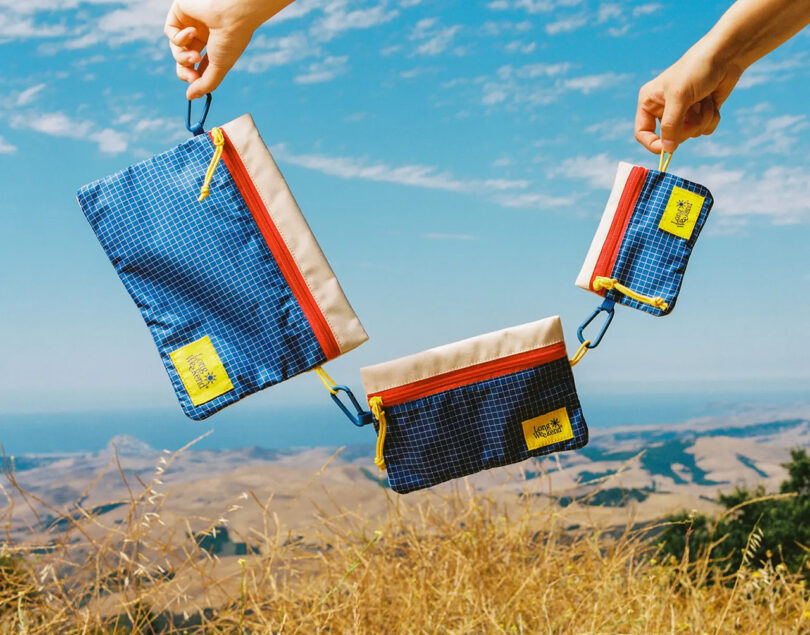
476,404
645,238
212,247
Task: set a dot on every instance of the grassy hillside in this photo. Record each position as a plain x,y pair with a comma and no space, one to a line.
456,562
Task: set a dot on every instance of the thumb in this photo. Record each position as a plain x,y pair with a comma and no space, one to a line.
672,122
221,53
210,78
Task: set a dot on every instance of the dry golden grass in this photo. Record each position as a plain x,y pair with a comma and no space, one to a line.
456,563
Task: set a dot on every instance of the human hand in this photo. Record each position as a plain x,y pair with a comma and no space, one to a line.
686,98
222,27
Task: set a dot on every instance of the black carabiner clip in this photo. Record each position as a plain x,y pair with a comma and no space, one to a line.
608,307
197,128
359,418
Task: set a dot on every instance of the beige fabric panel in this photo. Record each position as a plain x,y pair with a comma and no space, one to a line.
295,231
458,355
584,277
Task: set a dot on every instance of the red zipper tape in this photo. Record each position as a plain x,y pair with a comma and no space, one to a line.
471,374
282,255
621,219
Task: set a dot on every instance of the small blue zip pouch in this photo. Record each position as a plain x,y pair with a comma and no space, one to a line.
212,247
476,404
645,238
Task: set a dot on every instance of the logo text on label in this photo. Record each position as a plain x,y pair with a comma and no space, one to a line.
201,370
552,427
681,213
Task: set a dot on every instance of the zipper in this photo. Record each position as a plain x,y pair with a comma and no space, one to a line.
320,327
471,374
624,211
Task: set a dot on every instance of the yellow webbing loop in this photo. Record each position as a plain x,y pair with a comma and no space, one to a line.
663,165
326,379
577,358
219,144
600,282
379,413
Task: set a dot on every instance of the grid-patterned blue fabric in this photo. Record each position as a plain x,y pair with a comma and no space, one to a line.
197,269
476,427
651,261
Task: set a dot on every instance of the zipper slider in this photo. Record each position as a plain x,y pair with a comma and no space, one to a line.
219,143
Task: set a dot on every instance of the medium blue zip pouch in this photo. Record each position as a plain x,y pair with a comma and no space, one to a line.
476,404
211,245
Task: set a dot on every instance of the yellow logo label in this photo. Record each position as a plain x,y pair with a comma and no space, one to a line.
201,370
681,213
547,429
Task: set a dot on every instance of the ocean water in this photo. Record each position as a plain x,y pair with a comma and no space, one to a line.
284,427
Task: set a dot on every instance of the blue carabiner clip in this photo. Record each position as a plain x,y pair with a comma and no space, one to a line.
197,128
361,417
608,307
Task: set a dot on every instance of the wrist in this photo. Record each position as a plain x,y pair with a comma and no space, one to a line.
724,49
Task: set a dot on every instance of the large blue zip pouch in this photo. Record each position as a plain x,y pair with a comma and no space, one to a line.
211,245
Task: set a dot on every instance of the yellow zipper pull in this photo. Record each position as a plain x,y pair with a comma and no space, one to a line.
377,408
219,144
600,282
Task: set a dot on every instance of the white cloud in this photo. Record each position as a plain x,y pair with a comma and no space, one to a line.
280,51
598,170
767,70
6,147
773,135
532,6
423,176
492,28
612,129
532,71
434,38
338,18
110,141
16,27
299,9
518,46
505,192
609,11
324,70
58,124
646,9
29,94
588,83
566,25
541,84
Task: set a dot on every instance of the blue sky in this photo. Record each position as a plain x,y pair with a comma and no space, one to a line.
453,159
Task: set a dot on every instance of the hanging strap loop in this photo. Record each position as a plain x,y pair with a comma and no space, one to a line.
611,284
581,351
358,416
197,128
607,307
664,164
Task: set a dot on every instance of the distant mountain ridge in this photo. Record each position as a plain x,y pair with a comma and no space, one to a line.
647,470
